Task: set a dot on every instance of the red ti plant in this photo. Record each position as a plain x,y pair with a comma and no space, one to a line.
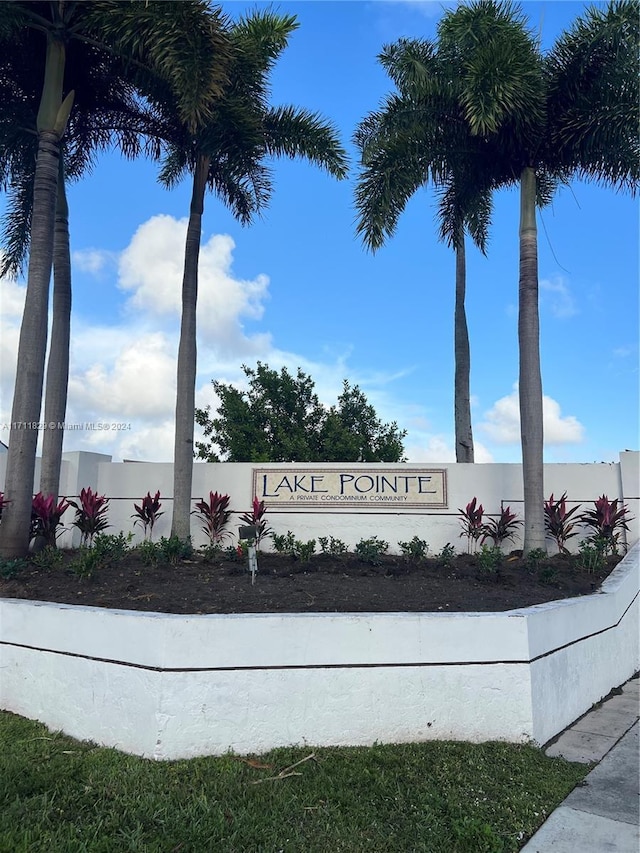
147,513
607,522
255,518
46,517
471,521
215,516
558,521
91,514
501,529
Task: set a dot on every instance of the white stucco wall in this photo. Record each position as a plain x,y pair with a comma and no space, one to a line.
170,686
494,484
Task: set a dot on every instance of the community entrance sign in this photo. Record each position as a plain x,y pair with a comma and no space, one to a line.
377,488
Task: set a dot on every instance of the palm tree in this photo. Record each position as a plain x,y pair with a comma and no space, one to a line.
226,154
547,118
414,140
162,39
105,113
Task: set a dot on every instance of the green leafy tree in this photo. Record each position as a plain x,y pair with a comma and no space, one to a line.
279,418
412,141
152,35
227,153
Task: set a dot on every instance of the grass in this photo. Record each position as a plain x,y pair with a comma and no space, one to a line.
58,794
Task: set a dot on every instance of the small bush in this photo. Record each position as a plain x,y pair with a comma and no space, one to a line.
284,543
592,554
86,562
10,569
295,548
112,548
547,574
535,557
47,559
371,550
416,549
447,555
174,549
489,559
305,550
333,546
149,553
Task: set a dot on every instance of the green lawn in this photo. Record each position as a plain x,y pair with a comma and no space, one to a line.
57,794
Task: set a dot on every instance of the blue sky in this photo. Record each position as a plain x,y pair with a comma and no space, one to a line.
298,289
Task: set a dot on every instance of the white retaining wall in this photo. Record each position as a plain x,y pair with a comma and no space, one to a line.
494,484
170,686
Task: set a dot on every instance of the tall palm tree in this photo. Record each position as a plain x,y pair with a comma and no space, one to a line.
106,112
226,154
157,37
573,112
414,141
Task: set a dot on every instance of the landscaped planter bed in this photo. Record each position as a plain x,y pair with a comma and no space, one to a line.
170,685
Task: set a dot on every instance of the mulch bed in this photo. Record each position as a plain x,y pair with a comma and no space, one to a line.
325,584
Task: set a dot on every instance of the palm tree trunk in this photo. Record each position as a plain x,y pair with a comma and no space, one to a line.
187,362
27,397
462,399
531,418
57,380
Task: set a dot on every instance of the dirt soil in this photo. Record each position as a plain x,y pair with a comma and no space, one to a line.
324,584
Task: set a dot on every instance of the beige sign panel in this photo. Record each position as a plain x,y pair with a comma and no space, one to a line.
367,489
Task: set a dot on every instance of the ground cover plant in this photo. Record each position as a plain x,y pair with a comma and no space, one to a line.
60,794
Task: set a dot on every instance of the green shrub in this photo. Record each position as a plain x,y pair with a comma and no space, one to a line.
284,543
333,546
287,544
47,559
11,568
304,551
86,561
490,558
447,555
592,553
371,550
148,552
416,549
174,549
534,558
110,547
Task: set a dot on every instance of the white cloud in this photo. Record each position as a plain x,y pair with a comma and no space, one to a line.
440,448
151,270
93,261
556,294
138,381
502,422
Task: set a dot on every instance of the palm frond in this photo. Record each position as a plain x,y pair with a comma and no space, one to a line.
594,109
184,43
293,132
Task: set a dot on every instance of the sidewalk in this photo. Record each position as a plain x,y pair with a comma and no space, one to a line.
601,815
